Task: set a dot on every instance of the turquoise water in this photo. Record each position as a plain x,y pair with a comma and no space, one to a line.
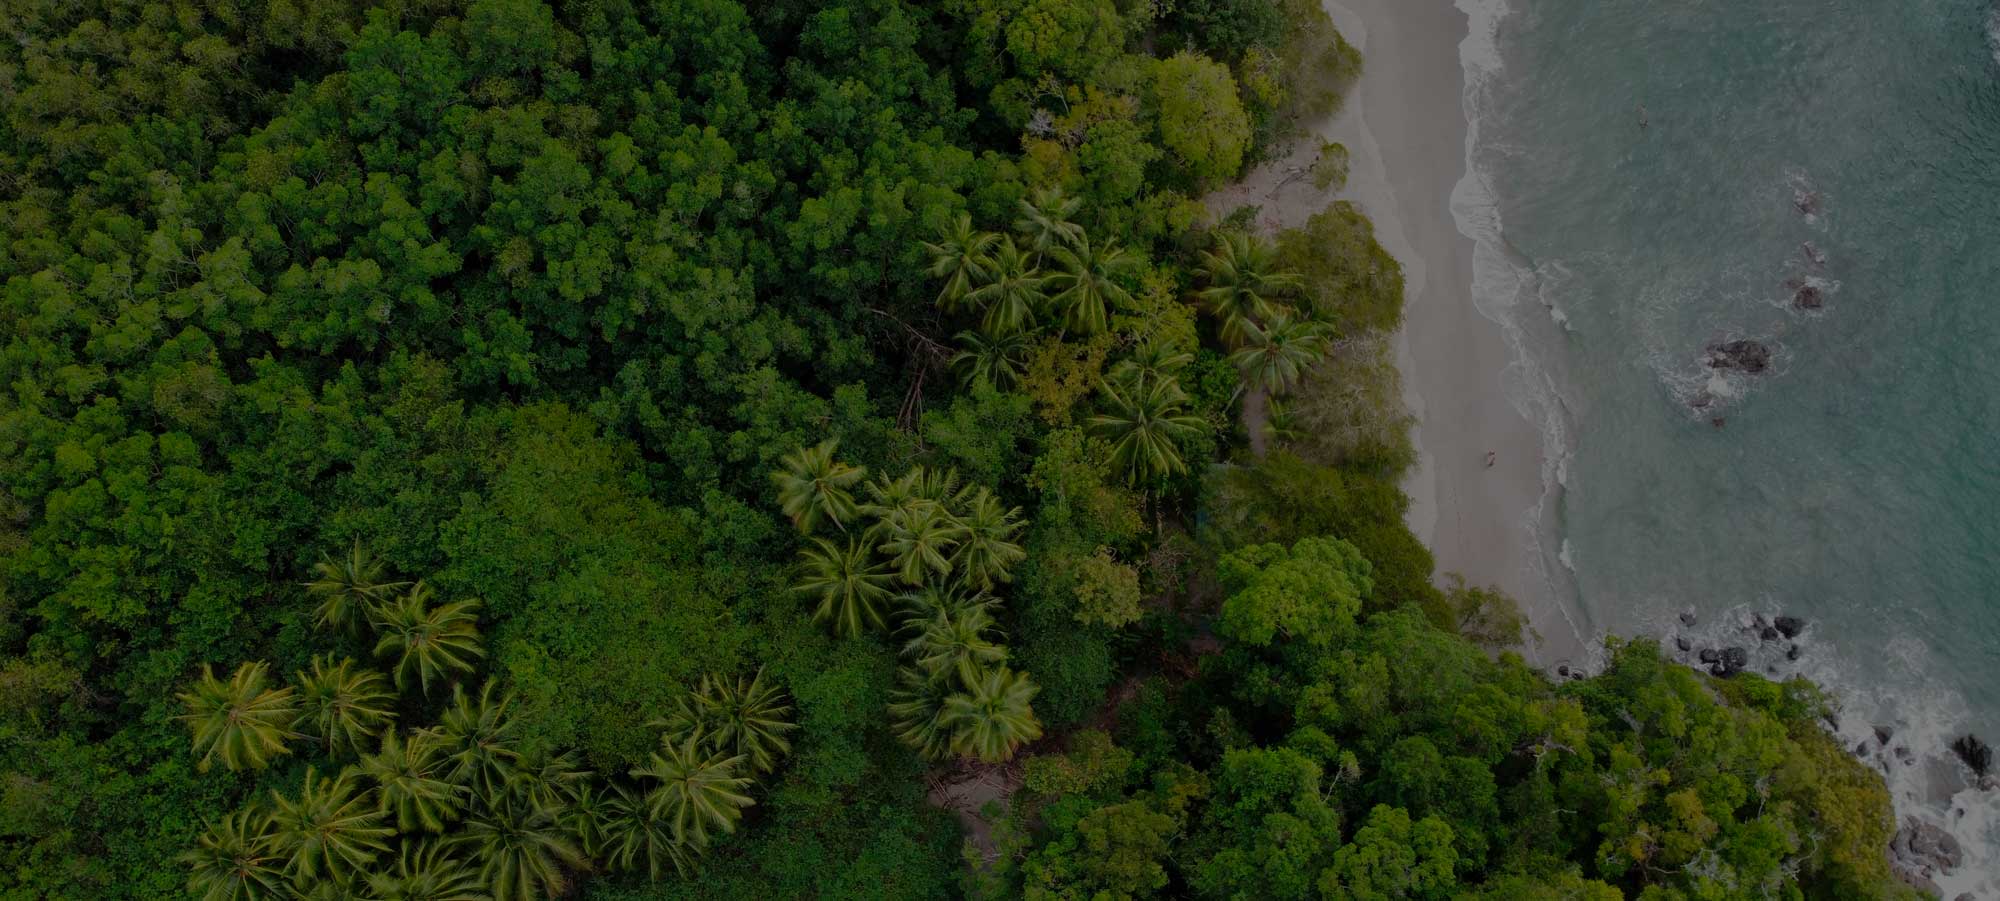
1855,482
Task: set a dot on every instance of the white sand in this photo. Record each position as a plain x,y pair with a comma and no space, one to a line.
1405,128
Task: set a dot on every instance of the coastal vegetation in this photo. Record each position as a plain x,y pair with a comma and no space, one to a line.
501,449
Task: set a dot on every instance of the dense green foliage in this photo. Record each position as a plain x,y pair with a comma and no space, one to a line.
467,448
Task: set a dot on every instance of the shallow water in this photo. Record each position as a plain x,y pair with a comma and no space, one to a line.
1854,482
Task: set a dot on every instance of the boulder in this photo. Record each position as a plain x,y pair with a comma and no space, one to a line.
1687,618
1681,642
1809,297
1735,658
1789,626
1710,655
1743,355
1768,633
1792,653
1977,754
1883,734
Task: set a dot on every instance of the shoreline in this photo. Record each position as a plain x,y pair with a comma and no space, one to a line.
1406,128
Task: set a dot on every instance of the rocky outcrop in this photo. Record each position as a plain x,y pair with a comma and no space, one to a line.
1977,754
1920,851
1744,355
1789,626
1729,662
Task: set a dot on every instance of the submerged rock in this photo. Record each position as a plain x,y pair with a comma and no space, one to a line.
1792,653
1789,626
1768,633
1813,254
1883,734
1744,355
1977,754
1687,618
1808,297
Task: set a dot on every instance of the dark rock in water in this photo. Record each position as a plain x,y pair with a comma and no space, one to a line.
1768,633
1883,734
1792,653
1903,754
1563,671
1710,655
1806,202
1860,749
1687,617
1683,644
1743,355
1921,850
1736,658
1719,421
1809,297
1702,400
1965,896
1789,626
1977,754
1813,254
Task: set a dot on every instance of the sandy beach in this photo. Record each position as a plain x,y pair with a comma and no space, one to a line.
1405,128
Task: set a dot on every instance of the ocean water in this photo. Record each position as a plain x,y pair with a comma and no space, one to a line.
1855,482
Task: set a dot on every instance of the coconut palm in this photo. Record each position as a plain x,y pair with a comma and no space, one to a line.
428,642
919,542
940,486
916,705
239,722
234,860
1276,354
1151,361
741,717
1145,426
1281,425
349,588
1011,297
1244,284
1045,220
993,715
996,360
813,485
475,738
549,780
695,789
892,497
331,831
987,551
638,836
345,705
955,645
585,817
521,848
410,781
427,871
850,584
1084,285
963,258
924,604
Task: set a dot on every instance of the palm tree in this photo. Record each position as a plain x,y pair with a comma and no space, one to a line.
427,871
927,603
987,550
920,541
744,718
940,486
349,588
850,584
917,706
586,816
1012,296
1046,219
963,258
409,780
331,832
695,789
476,739
1085,284
954,645
1243,282
550,780
893,497
522,849
347,706
430,642
1151,361
639,836
1281,426
1145,426
812,484
239,722
998,361
993,716
1275,355
234,860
